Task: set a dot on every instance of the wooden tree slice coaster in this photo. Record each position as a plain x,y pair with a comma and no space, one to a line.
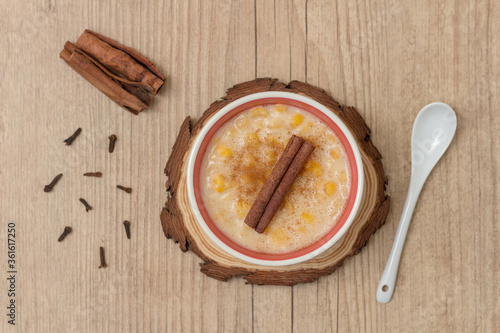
179,223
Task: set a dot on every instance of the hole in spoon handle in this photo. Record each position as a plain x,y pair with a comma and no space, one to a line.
385,288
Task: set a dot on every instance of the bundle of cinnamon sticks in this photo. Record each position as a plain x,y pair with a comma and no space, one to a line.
279,182
118,71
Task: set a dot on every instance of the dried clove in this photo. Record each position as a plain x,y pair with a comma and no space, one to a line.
69,140
103,260
126,189
127,228
112,140
93,174
65,233
49,187
86,204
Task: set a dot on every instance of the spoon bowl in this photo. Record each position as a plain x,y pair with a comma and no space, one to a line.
433,131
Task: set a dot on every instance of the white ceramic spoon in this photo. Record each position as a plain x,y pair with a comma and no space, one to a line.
433,131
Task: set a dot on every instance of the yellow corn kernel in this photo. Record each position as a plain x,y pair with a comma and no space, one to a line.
330,188
252,140
289,205
230,132
307,217
241,122
280,107
216,139
218,183
258,112
314,168
334,154
331,138
248,160
271,141
258,122
297,119
275,123
242,208
342,177
306,129
278,236
224,151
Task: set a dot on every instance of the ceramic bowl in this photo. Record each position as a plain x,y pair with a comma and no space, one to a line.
307,104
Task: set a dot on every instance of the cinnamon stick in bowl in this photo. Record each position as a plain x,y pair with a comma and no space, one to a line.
293,171
255,213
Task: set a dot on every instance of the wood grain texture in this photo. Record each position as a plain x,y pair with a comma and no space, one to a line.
387,58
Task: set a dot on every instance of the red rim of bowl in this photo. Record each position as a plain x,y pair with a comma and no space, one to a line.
275,256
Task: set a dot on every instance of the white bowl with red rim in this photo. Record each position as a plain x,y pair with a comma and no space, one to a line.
307,104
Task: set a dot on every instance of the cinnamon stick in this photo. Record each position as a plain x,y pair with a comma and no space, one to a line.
272,182
118,71
118,61
130,51
293,171
86,68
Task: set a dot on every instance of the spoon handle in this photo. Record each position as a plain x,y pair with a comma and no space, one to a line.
388,280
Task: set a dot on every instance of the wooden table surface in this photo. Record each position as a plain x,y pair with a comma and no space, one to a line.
387,58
